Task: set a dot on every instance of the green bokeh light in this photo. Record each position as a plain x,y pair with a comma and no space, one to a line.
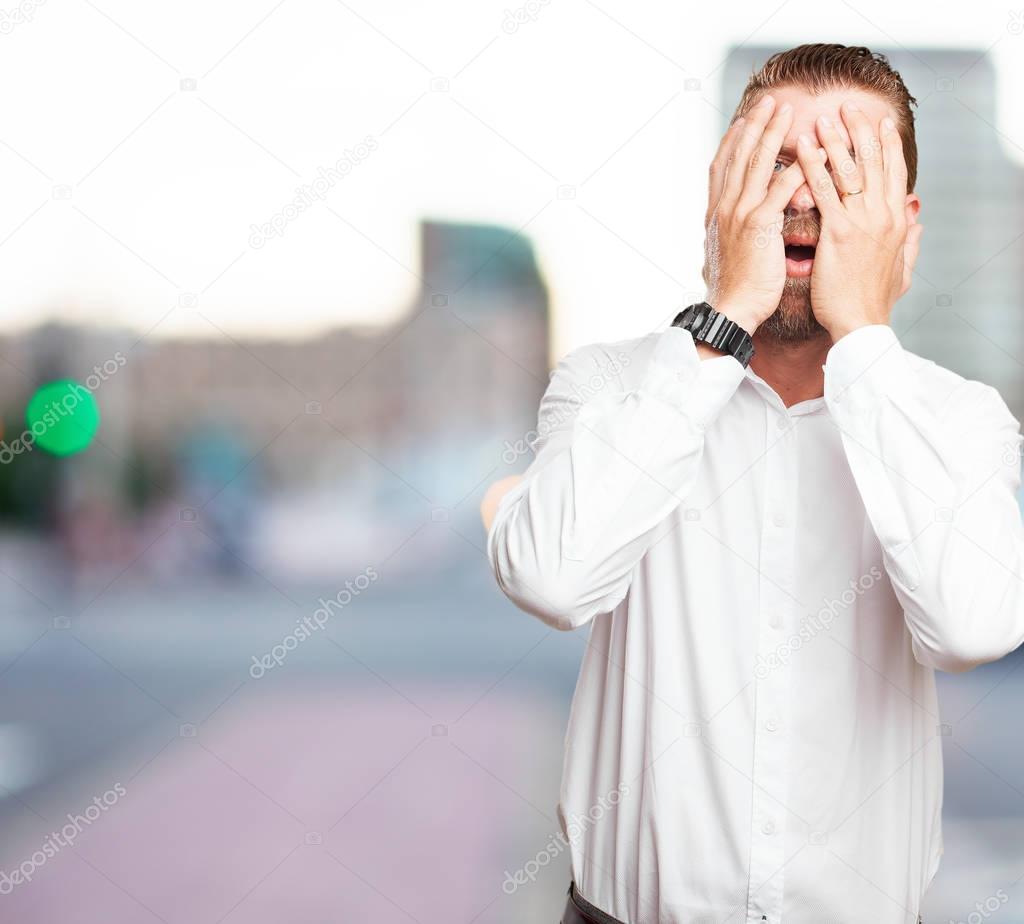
63,417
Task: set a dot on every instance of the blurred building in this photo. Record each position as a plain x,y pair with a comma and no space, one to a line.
347,437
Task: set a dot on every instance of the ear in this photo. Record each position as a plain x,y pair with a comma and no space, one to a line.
912,207
913,243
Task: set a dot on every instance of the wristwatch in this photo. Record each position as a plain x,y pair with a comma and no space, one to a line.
716,330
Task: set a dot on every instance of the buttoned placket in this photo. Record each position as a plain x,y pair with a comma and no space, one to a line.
771,684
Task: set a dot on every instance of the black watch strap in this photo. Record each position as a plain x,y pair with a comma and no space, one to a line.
716,330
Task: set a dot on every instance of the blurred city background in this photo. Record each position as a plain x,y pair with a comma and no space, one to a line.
313,260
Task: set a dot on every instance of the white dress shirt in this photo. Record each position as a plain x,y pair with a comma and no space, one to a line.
769,591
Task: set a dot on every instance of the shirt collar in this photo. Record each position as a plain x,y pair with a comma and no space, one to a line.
809,406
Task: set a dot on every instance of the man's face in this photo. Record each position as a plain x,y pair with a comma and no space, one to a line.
794,321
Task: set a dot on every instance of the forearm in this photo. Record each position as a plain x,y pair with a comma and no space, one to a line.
565,541
940,492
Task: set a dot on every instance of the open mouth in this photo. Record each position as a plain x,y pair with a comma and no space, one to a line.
799,259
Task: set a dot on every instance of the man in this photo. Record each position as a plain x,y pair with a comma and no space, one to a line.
773,558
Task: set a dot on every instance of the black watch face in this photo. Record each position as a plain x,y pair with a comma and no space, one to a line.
737,343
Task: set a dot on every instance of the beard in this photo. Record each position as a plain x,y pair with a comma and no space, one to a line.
793,321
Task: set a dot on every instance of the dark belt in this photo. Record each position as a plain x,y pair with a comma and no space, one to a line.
579,911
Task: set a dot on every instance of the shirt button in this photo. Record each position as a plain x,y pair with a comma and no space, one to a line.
768,828
772,725
774,619
782,423
780,519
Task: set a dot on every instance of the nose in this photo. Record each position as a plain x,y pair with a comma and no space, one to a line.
802,201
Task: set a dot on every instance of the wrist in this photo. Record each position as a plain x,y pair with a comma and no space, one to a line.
841,329
740,315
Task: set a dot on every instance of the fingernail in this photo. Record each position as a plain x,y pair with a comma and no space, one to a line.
766,101
784,108
804,140
825,121
852,106
888,124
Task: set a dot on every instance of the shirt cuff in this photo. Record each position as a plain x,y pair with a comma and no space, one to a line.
697,388
864,369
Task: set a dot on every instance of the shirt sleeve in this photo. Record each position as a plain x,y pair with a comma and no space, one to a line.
610,466
939,477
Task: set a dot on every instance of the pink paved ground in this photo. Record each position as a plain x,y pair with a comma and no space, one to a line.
320,806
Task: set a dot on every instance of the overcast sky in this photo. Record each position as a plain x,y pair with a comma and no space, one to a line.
140,142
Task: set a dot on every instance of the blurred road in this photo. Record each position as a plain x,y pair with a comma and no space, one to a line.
393,767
